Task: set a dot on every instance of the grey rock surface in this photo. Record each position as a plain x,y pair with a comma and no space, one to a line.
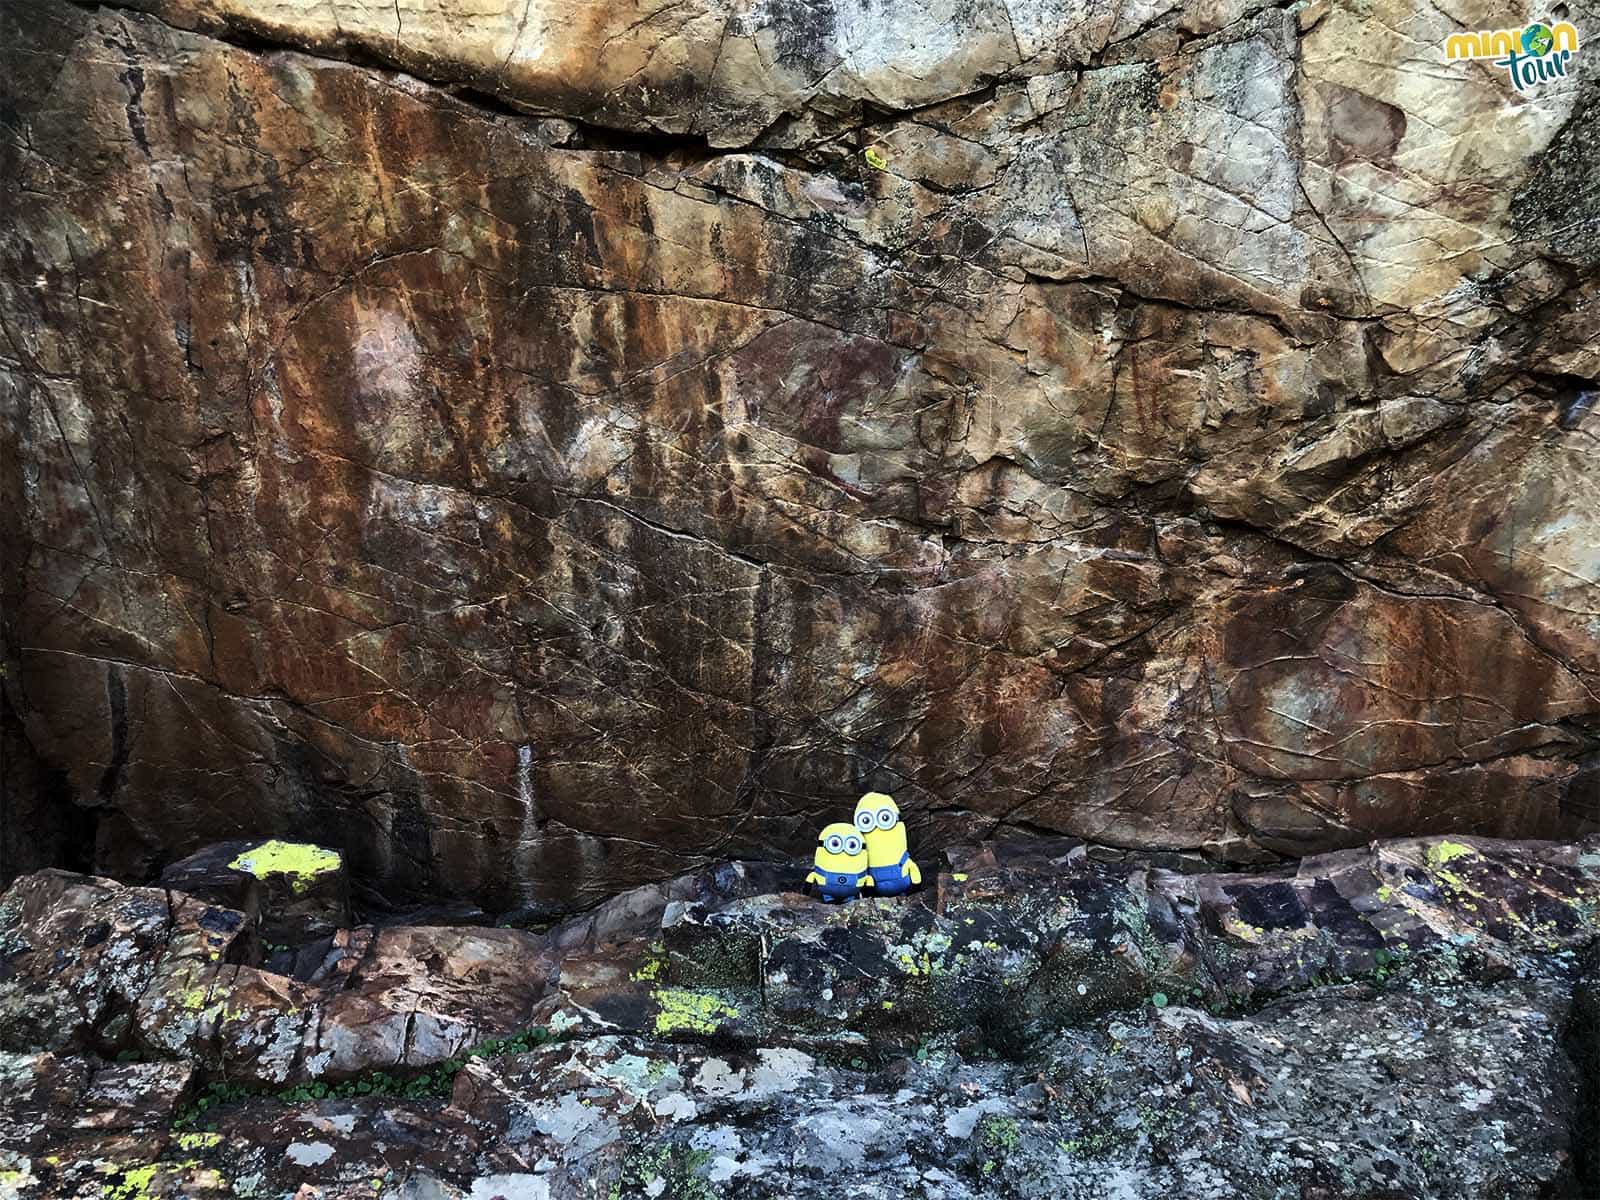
1416,1019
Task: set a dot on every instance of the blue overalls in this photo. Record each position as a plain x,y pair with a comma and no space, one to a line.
837,886
891,881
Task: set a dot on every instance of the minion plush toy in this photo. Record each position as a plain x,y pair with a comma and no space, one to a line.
840,867
888,861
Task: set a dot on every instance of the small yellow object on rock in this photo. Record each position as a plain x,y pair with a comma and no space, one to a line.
875,160
300,861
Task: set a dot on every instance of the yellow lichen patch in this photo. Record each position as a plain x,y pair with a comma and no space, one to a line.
135,1182
198,1141
1448,852
300,861
1240,930
192,999
650,970
683,1010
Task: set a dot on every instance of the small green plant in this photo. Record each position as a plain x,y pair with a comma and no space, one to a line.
1000,1133
436,1082
999,1137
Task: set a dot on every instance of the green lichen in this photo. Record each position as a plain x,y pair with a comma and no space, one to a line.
1134,920
193,1142
685,1010
301,862
1095,1145
1446,852
665,1170
192,999
924,955
134,1183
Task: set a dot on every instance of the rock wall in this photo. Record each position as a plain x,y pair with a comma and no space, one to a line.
541,447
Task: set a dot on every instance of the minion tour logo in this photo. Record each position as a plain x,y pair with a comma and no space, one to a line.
1530,56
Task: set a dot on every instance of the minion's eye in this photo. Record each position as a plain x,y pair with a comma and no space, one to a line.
863,821
834,844
852,845
886,818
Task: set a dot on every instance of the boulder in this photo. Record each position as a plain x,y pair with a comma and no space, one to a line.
1019,945
83,960
292,891
86,964
1044,1020
1415,1018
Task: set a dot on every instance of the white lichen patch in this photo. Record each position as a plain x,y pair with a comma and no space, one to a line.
308,1154
509,1187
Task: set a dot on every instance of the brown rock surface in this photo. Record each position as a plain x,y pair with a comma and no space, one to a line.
1184,441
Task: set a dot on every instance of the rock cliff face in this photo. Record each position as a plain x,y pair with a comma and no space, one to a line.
539,447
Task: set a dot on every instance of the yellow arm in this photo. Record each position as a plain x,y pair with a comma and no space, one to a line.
866,880
813,877
914,871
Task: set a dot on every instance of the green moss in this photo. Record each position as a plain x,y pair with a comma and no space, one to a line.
302,862
685,1010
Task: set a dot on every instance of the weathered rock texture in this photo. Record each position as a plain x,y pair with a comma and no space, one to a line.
572,460
1411,1020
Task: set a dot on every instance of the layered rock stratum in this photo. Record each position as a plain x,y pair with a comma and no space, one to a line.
1420,1018
539,448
